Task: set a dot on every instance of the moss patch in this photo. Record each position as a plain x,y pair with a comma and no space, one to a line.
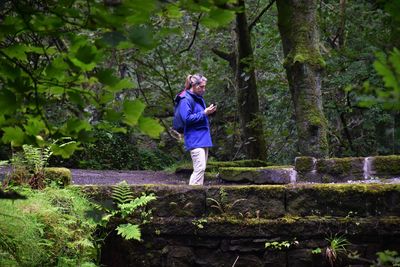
387,165
61,176
304,164
213,166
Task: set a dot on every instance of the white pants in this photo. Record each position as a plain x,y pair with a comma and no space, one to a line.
199,158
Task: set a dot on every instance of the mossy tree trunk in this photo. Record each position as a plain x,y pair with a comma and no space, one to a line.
303,63
247,97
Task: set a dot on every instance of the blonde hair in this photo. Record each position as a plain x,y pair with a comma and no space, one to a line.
194,79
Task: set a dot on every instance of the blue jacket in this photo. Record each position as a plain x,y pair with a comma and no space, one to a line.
197,127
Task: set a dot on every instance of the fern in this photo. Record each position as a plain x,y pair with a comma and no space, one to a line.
129,231
128,208
122,193
34,159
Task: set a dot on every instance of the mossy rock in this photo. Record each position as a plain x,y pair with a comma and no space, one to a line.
213,166
361,200
386,165
340,169
174,201
61,176
257,175
305,164
249,201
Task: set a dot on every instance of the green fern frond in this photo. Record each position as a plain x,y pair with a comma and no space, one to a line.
122,193
129,208
217,205
129,231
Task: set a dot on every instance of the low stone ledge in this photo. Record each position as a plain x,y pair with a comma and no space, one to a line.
257,175
386,166
344,200
285,228
264,201
261,201
310,169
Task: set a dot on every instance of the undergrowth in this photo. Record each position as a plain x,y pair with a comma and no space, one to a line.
49,228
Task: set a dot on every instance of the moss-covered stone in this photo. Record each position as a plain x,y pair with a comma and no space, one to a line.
266,201
304,164
257,175
344,200
387,165
61,176
213,166
340,169
304,227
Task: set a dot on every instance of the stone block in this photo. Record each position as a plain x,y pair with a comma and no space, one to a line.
257,175
386,166
175,201
264,201
344,200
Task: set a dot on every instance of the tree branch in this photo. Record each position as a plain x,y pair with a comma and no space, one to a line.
230,57
253,23
194,35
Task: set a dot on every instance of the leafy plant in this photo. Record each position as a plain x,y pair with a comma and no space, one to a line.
337,248
50,228
316,251
222,206
279,245
199,223
127,206
387,258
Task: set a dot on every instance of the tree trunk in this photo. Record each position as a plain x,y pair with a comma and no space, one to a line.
303,63
247,97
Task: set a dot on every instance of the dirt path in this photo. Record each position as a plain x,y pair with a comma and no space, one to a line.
81,177
106,177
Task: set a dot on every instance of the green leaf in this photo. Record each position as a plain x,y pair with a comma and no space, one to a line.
34,126
57,68
142,37
86,54
112,115
9,71
129,231
151,127
65,150
112,38
122,84
77,125
106,77
16,51
8,102
76,97
13,135
132,111
2,120
173,12
218,17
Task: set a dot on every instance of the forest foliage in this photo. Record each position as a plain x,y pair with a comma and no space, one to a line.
108,71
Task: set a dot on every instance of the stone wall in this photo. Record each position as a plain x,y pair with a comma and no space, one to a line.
218,225
310,169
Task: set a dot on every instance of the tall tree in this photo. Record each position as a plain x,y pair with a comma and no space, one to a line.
247,97
242,62
298,28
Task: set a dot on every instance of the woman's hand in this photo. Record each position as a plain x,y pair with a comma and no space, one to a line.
210,110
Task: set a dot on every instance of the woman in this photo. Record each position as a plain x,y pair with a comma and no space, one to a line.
194,113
